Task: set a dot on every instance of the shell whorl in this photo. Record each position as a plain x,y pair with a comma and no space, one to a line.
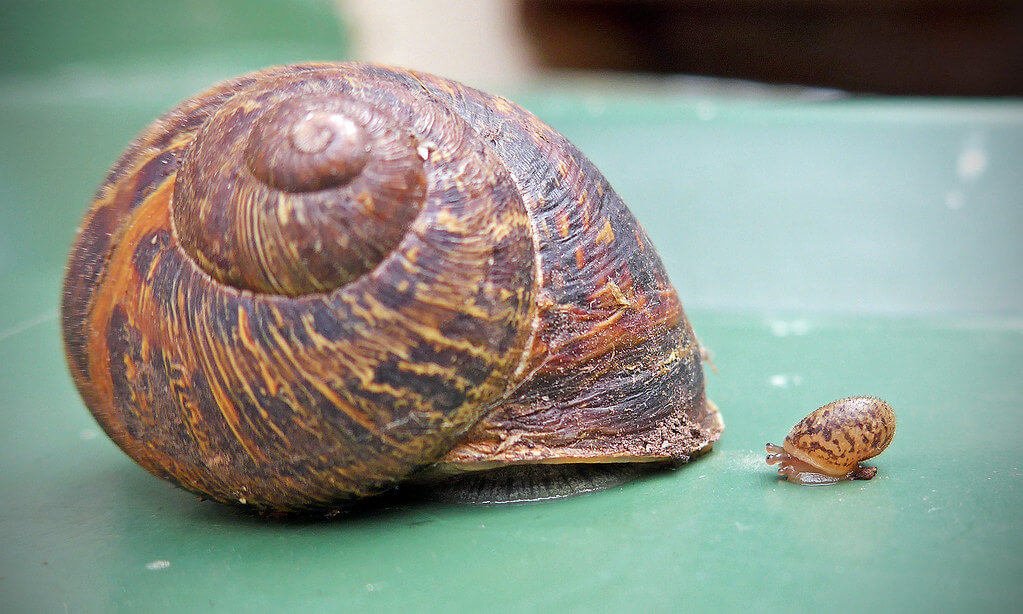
296,186
306,283
360,377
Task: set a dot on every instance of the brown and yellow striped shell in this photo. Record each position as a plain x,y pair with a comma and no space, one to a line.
828,444
305,284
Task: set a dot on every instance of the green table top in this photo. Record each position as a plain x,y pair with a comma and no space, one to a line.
823,248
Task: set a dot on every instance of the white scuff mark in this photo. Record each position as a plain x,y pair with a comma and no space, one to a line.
783,380
751,460
955,199
706,110
742,527
158,565
784,328
426,150
594,106
21,327
973,159
88,434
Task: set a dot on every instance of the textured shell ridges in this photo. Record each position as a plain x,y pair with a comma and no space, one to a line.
307,283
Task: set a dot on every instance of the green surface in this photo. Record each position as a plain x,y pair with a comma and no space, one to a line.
937,529
823,249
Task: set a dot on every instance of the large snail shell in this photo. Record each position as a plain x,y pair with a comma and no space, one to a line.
308,282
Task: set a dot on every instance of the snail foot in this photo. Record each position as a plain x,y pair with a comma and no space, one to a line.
862,473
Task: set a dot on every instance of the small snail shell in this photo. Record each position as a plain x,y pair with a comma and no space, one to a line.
313,282
828,445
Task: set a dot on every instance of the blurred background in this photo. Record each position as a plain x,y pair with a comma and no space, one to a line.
922,47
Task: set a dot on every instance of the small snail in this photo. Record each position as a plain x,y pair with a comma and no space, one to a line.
828,445
311,283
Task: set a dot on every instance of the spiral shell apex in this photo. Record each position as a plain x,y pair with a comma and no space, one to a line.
308,283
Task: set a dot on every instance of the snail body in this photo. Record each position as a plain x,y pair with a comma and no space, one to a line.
828,445
311,283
